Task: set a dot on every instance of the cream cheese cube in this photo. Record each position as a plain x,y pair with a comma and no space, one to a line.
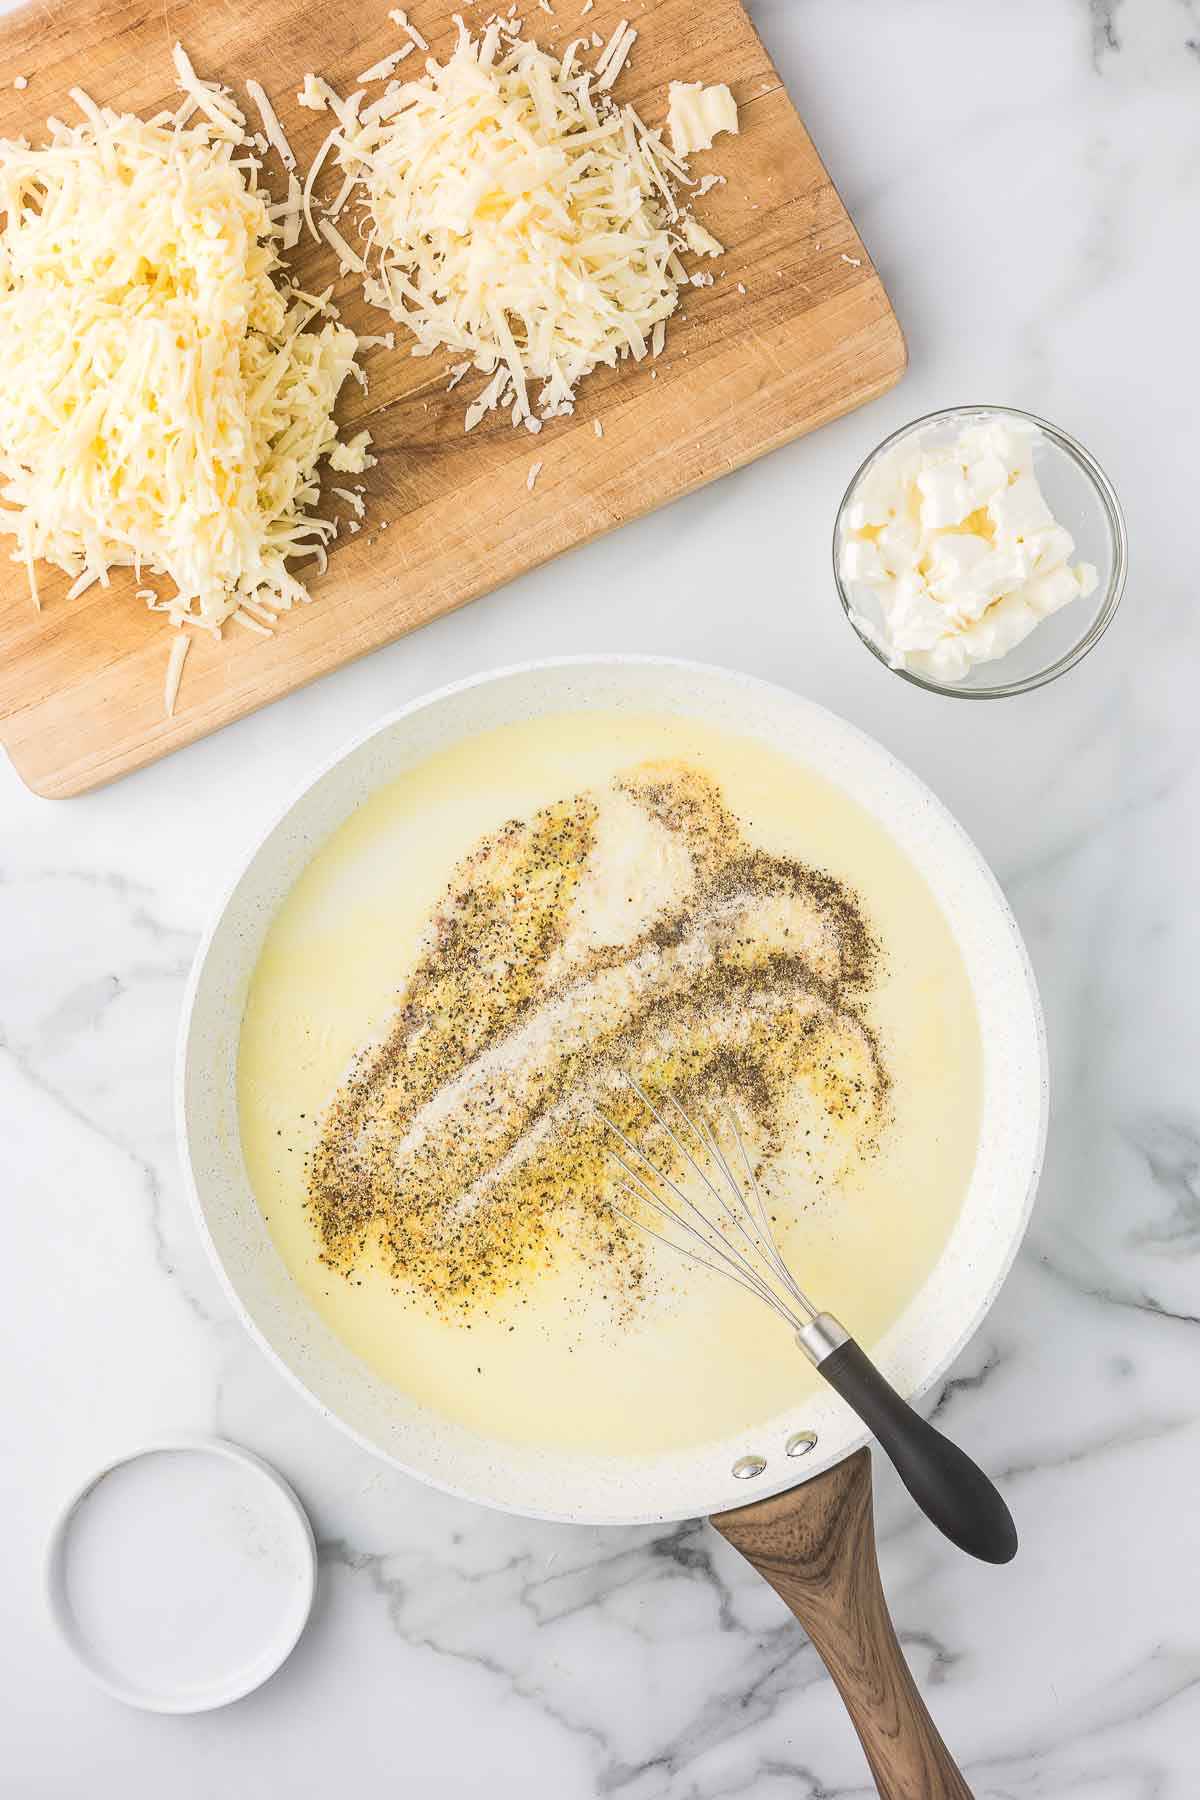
1046,593
912,615
1003,626
1020,509
899,541
861,561
946,498
1048,549
967,573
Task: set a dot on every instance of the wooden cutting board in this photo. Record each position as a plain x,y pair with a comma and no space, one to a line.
81,683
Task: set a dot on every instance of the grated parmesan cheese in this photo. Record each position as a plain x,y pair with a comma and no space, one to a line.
163,404
616,62
701,241
272,129
385,66
351,458
349,261
353,500
696,115
402,20
248,623
517,216
610,48
312,95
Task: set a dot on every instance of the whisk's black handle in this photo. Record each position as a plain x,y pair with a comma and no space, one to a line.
951,1490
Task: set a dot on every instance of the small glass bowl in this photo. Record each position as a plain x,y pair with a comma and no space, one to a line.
1080,496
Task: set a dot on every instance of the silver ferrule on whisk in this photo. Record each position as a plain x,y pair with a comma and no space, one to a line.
821,1337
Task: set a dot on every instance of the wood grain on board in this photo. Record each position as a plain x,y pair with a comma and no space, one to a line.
81,683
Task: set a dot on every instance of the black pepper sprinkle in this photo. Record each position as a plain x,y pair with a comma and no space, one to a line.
463,1153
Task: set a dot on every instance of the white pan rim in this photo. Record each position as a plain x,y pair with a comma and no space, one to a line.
837,1435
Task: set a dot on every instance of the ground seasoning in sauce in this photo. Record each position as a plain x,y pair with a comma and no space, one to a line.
632,929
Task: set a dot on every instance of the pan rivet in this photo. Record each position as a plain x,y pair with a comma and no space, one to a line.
800,1443
747,1467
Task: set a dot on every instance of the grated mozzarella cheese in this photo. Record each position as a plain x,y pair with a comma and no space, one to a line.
290,212
162,405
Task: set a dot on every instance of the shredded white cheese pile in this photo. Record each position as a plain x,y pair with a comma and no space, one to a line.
517,215
161,405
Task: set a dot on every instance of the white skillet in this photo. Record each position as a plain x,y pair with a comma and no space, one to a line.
570,1486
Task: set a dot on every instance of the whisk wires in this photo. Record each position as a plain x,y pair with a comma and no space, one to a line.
723,1223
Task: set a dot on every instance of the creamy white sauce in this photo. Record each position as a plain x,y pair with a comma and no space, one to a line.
549,1360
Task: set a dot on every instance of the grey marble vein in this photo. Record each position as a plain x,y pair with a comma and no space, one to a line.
146,1177
993,1358
1171,1150
1112,1290
1105,39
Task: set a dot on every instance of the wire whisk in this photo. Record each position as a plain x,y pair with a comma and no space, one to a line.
751,1257
717,1216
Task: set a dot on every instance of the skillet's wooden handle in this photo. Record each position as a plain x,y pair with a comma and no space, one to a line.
815,1544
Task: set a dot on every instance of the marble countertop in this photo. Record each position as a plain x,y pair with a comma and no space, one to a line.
1028,181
